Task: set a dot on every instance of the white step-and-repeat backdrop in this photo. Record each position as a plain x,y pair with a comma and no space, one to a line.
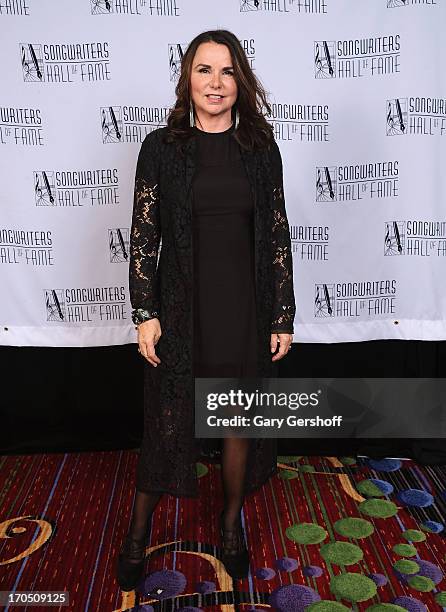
358,93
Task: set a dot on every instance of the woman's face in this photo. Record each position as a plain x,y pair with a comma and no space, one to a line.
212,73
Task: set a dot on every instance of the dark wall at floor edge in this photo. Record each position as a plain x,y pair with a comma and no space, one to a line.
81,399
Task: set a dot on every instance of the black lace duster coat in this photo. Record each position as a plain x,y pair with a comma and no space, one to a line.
162,210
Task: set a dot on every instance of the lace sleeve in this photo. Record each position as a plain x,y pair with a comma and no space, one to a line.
284,307
145,233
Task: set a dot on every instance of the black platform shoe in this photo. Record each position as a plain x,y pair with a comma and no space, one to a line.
235,556
130,565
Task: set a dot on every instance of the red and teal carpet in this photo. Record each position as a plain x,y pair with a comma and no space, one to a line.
325,534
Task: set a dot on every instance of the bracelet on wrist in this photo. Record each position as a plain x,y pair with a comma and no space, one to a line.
139,315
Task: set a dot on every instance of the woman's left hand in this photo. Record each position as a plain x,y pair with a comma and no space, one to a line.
285,341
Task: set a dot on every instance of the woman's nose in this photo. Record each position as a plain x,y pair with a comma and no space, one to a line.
215,80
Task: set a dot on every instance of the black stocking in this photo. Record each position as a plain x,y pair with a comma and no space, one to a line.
143,508
233,471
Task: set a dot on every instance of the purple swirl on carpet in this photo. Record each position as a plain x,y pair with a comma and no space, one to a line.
379,579
264,573
402,577
433,526
415,497
384,465
384,486
410,604
205,586
429,570
293,598
286,564
312,571
164,584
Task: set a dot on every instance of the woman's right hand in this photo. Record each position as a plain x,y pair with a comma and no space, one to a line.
149,333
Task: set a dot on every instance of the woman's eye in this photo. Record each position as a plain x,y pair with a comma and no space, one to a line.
230,72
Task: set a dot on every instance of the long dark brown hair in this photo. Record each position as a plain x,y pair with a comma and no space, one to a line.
253,130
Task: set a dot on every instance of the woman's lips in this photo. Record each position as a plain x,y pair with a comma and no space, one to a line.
214,100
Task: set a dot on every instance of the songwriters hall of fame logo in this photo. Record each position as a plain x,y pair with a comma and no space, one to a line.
355,299
355,182
44,188
284,6
118,242
416,115
396,117
160,8
32,62
395,237
395,3
310,242
326,184
415,238
176,52
55,305
356,58
65,63
398,3
130,123
324,59
85,304
76,188
21,126
103,7
324,300
111,124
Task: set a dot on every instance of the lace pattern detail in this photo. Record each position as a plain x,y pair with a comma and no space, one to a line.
284,306
145,235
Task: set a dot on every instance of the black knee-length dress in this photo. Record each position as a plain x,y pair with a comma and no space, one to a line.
225,333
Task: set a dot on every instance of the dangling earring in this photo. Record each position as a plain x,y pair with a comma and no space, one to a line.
237,119
191,114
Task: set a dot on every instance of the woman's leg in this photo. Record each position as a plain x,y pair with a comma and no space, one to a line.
233,472
131,558
143,507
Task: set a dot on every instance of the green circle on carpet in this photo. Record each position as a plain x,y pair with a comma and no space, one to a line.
406,566
288,474
369,489
385,607
353,587
414,535
404,550
378,508
353,527
440,598
306,467
202,469
288,458
421,583
347,460
341,553
326,605
306,533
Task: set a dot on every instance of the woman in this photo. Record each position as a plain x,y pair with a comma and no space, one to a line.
220,301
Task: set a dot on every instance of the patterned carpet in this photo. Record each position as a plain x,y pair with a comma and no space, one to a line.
324,534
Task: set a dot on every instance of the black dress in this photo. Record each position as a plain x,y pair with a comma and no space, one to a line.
224,290
223,239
